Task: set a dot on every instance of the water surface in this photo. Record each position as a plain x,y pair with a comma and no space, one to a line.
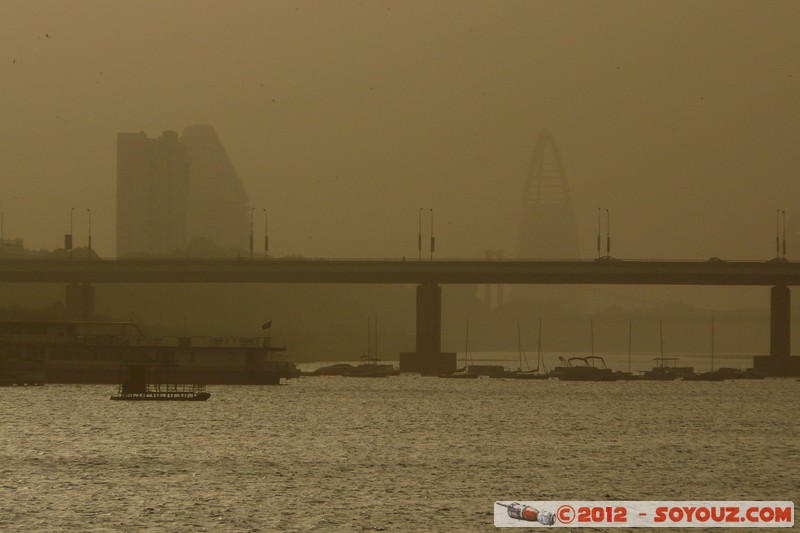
397,454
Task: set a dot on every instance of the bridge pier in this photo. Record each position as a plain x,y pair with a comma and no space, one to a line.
428,357
79,301
779,362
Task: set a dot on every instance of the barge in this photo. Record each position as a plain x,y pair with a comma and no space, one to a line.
142,382
92,353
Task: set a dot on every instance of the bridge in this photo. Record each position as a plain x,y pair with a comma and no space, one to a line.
428,276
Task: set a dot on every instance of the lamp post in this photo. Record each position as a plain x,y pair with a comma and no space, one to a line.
266,234
89,211
68,238
608,234
598,232
419,235
777,233
251,231
784,233
433,239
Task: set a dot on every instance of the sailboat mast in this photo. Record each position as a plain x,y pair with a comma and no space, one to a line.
630,335
519,345
369,338
540,359
712,344
466,348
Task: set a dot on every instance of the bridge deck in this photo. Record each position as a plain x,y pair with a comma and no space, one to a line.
767,273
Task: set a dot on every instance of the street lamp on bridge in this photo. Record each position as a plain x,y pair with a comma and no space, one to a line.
68,237
433,239
266,235
784,233
778,213
599,211
251,231
89,211
419,235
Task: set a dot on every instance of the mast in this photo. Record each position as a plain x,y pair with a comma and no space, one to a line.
540,359
712,344
466,349
630,330
369,337
599,211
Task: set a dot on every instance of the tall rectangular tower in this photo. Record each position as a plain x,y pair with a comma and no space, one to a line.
152,189
217,207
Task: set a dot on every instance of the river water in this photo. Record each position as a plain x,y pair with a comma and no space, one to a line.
405,453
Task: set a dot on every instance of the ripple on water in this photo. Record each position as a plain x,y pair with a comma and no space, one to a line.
407,453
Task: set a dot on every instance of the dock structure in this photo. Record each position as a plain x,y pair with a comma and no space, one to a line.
143,382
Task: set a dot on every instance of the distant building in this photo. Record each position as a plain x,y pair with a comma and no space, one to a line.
547,221
152,189
217,207
172,191
12,248
547,227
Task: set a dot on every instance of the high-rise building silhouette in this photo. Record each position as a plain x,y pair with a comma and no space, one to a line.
172,191
547,228
216,208
547,221
152,189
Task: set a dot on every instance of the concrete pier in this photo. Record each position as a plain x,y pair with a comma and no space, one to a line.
779,362
428,357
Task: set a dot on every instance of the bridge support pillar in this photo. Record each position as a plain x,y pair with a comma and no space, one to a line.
79,301
428,358
779,361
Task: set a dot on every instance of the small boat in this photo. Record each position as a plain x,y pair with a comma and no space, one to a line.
370,368
590,368
706,376
338,369
583,369
165,393
666,369
537,373
489,371
713,375
134,386
663,371
463,372
726,374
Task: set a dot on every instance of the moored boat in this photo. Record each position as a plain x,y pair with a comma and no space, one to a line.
370,367
142,382
91,352
537,373
583,369
463,372
666,369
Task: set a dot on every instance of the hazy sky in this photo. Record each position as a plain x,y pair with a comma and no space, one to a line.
344,118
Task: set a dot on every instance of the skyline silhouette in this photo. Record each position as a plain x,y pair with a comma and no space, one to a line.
684,129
